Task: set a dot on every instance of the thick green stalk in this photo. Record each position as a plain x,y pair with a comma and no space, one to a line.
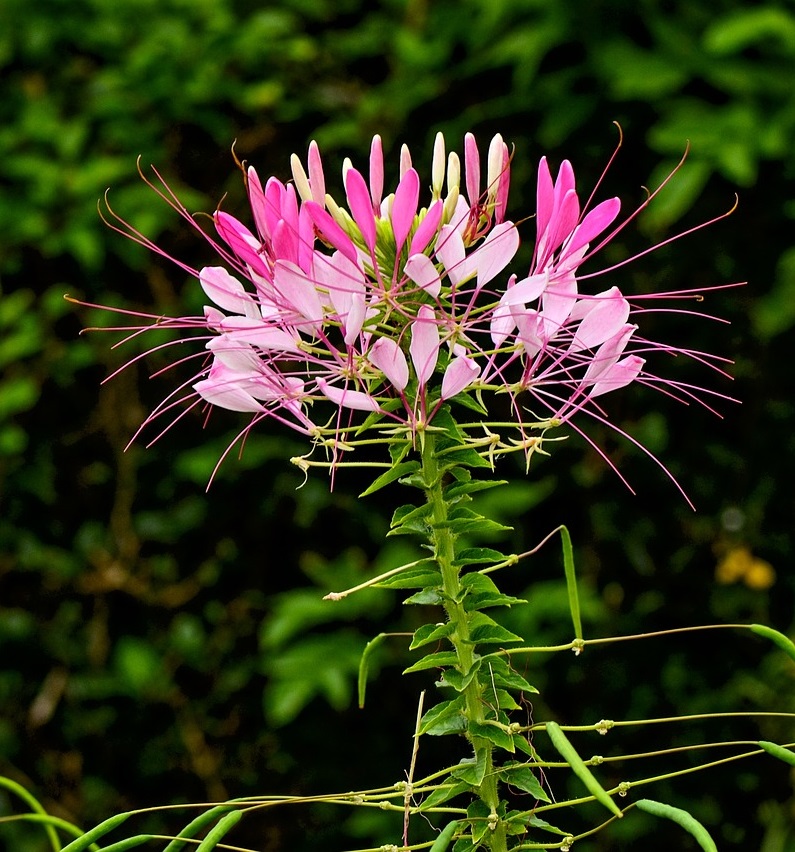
443,541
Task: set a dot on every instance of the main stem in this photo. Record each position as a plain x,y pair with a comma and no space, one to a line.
443,542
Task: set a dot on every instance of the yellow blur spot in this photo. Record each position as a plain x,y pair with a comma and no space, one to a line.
739,564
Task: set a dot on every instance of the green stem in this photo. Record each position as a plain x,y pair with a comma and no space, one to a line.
443,541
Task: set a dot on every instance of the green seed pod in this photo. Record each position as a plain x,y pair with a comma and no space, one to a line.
683,818
569,754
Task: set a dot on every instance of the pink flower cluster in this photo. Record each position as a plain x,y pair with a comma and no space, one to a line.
390,308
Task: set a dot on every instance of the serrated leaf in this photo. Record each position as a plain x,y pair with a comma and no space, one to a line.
471,770
407,513
485,631
442,659
465,456
445,718
483,593
524,746
478,816
453,677
412,578
523,778
478,555
427,597
402,469
444,794
493,733
430,633
466,400
460,526
543,825
457,489
504,676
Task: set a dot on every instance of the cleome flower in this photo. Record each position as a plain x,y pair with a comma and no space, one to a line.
377,311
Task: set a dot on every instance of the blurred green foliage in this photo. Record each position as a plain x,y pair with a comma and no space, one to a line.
160,644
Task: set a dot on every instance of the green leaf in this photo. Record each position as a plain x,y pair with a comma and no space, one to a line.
446,718
485,631
483,593
503,675
459,489
430,633
478,814
493,733
453,677
408,519
427,597
521,776
471,770
578,767
402,469
778,639
680,817
465,456
433,661
412,578
444,794
478,555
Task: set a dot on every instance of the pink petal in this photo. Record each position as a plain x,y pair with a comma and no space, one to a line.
242,242
226,291
607,355
424,346
601,217
376,171
472,169
421,270
386,356
347,398
526,290
223,388
265,336
404,207
603,318
360,206
317,181
256,198
460,373
427,228
298,291
451,252
497,252
545,193
330,231
621,374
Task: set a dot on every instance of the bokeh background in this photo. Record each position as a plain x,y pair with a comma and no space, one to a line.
161,644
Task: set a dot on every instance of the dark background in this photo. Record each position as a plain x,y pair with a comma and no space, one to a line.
161,644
